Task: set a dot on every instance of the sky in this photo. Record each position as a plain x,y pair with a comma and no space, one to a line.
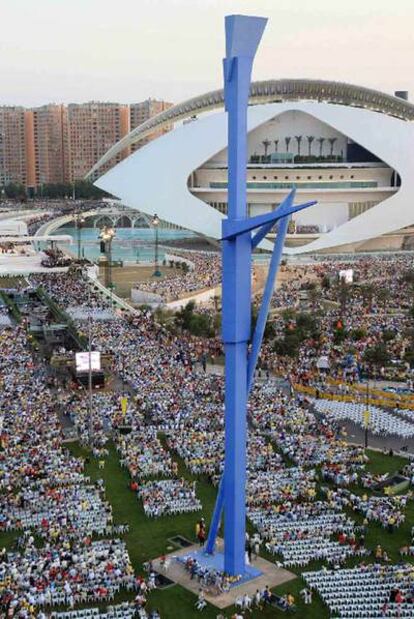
127,50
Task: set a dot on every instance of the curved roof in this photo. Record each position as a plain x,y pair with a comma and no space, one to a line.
269,91
136,179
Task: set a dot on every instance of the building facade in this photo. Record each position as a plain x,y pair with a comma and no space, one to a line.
93,128
51,145
13,165
141,112
55,144
348,147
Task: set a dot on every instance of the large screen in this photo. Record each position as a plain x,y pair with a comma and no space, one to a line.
82,361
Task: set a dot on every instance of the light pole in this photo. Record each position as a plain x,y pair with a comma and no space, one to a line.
80,220
106,236
367,417
90,402
155,224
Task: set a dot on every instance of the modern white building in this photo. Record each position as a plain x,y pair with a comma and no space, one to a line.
348,147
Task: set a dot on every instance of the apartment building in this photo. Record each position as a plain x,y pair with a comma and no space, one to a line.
140,112
12,145
93,128
59,144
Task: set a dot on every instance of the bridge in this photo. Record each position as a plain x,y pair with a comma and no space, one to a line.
117,217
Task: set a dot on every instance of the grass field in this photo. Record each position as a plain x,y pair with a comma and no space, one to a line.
148,538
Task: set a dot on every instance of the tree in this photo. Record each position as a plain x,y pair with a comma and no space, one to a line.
15,191
383,295
368,291
357,334
276,143
321,143
313,297
266,144
306,324
287,142
377,355
408,277
325,282
82,189
332,143
409,356
310,139
288,346
298,139
388,335
197,324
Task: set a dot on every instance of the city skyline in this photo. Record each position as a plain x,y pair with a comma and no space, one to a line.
58,143
59,52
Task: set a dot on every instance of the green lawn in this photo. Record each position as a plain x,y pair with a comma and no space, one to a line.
148,537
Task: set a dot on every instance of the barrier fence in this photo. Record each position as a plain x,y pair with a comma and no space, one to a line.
323,395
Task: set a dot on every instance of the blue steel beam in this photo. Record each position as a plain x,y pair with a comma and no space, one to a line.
256,344
243,35
267,297
216,519
232,229
265,229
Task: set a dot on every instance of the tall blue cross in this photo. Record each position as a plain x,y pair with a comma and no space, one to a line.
243,35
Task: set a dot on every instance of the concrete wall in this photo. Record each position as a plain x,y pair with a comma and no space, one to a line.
142,297
199,298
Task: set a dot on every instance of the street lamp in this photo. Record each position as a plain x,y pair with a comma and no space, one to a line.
80,220
106,236
155,224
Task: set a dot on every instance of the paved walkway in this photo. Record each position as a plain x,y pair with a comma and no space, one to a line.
270,575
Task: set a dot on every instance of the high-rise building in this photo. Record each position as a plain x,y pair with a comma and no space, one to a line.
140,112
51,145
93,128
13,167
55,144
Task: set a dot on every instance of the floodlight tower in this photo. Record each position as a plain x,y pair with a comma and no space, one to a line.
243,36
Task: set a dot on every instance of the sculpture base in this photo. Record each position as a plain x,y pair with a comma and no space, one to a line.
258,575
216,562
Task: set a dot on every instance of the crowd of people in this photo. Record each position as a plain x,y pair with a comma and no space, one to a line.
175,408
200,271
168,497
45,493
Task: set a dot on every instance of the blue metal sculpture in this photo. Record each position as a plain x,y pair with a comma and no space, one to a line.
243,36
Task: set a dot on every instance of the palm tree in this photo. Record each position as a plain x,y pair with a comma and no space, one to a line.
368,292
321,141
266,144
310,139
276,143
287,142
332,143
298,139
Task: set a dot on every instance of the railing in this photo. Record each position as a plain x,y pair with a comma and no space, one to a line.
360,397
302,185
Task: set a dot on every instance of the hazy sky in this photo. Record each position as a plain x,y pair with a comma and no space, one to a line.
127,50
